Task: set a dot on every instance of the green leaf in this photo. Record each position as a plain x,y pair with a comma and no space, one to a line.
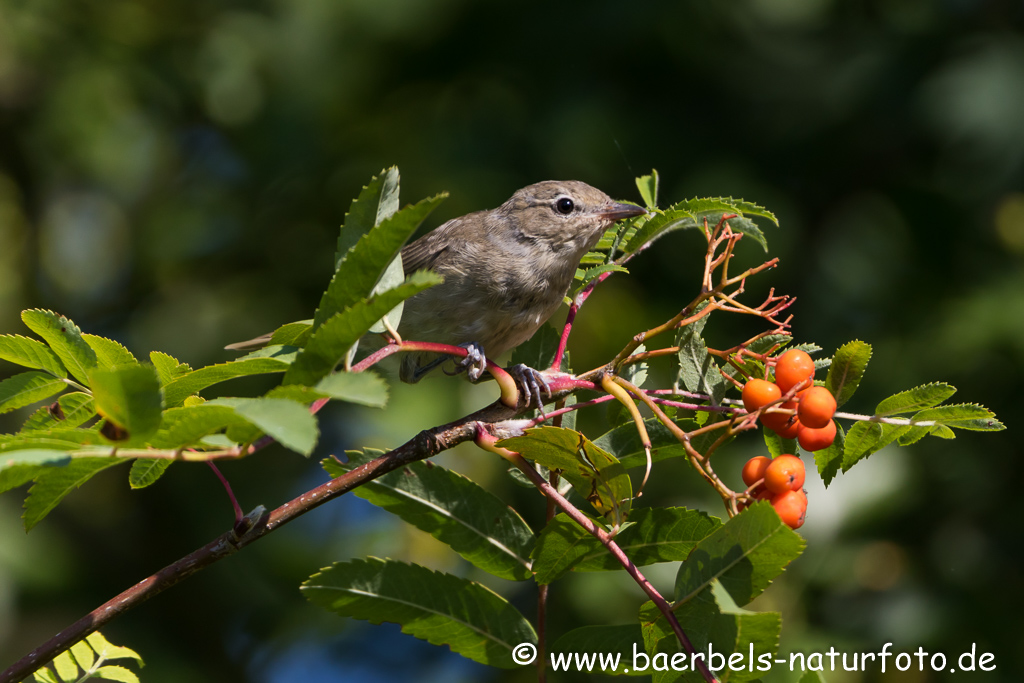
648,186
624,442
539,350
30,353
364,263
776,444
655,535
745,554
176,391
109,353
64,337
168,368
21,466
129,397
332,340
83,654
439,608
116,673
652,535
377,201
453,509
365,388
924,396
691,214
847,370
187,426
830,460
562,544
968,416
45,675
27,388
56,482
77,407
658,226
108,651
285,354
289,423
596,474
597,649
585,276
146,471
864,438
65,666
292,334
698,371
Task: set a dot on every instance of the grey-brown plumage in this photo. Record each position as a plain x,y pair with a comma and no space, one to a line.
505,270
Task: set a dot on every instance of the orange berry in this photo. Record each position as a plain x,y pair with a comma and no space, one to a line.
791,507
783,424
792,368
817,406
754,469
758,393
816,439
784,473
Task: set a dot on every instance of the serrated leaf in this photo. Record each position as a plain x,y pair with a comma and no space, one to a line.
691,214
745,554
924,396
77,407
168,368
585,276
864,438
596,474
363,264
108,651
176,391
289,423
187,426
392,276
30,353
453,509
653,535
26,388
146,471
776,444
45,675
597,649
21,466
658,226
648,186
962,416
65,665
64,337
698,371
377,200
116,673
624,442
332,340
55,483
83,654
109,353
130,397
439,608
830,460
847,370
292,334
365,388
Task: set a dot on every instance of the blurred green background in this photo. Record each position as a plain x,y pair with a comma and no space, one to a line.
172,174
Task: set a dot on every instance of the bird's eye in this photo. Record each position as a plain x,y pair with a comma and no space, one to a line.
564,206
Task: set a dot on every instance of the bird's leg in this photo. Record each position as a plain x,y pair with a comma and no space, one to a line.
474,363
530,382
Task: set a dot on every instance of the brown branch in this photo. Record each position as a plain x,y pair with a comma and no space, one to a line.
257,525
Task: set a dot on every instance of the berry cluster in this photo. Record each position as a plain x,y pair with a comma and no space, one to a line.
807,416
779,480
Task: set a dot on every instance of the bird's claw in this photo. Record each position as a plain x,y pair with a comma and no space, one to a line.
531,382
474,363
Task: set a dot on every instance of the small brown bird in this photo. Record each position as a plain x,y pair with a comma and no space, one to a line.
505,273
505,270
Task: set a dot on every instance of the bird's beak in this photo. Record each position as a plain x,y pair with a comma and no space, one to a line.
615,211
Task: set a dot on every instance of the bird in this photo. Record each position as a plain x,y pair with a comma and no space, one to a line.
505,270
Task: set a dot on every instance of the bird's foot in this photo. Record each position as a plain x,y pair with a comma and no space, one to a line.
531,383
474,363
